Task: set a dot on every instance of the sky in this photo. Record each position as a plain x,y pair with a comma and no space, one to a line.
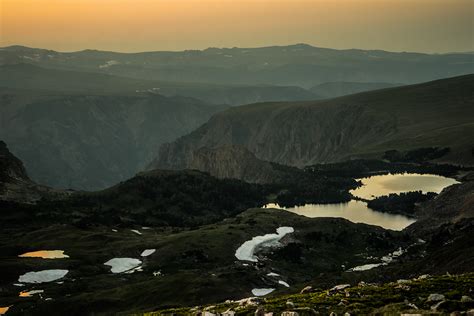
147,25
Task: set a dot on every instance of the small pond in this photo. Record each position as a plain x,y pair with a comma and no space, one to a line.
45,254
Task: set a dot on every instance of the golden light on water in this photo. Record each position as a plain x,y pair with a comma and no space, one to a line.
45,254
3,310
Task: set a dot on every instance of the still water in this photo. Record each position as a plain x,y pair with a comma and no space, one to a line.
45,254
355,211
376,186
358,212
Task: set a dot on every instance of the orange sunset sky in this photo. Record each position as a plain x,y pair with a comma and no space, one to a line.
144,25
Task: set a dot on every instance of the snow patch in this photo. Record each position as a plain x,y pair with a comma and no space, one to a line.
109,63
246,251
385,261
272,274
283,283
262,292
147,252
42,276
366,267
120,265
136,231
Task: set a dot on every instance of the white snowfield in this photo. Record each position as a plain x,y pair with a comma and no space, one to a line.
283,283
262,292
147,252
42,276
120,265
246,251
385,260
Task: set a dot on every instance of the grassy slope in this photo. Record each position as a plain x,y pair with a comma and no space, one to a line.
364,299
201,261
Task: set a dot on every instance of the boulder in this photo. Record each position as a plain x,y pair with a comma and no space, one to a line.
435,297
307,289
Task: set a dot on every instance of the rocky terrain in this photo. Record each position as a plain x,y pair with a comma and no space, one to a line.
185,227
437,113
158,241
15,185
92,141
237,162
450,294
453,205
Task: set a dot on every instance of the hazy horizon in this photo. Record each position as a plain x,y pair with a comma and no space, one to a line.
435,26
239,47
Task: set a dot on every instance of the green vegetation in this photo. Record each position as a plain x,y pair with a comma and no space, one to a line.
157,198
403,203
359,168
410,296
416,155
198,264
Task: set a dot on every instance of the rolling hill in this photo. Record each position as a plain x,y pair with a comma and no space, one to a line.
293,65
336,89
59,81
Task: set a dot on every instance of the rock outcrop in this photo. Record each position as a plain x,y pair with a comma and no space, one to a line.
236,162
15,185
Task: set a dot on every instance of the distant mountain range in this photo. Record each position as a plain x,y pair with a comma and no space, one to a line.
294,65
60,81
88,119
438,113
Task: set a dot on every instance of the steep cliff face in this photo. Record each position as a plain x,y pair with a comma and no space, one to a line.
15,185
235,162
11,168
437,113
92,141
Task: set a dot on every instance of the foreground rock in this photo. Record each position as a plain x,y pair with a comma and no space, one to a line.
363,299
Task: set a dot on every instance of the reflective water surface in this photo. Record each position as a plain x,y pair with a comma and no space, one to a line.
45,254
376,186
30,293
355,211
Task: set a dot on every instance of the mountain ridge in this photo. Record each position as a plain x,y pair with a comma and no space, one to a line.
437,113
293,65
